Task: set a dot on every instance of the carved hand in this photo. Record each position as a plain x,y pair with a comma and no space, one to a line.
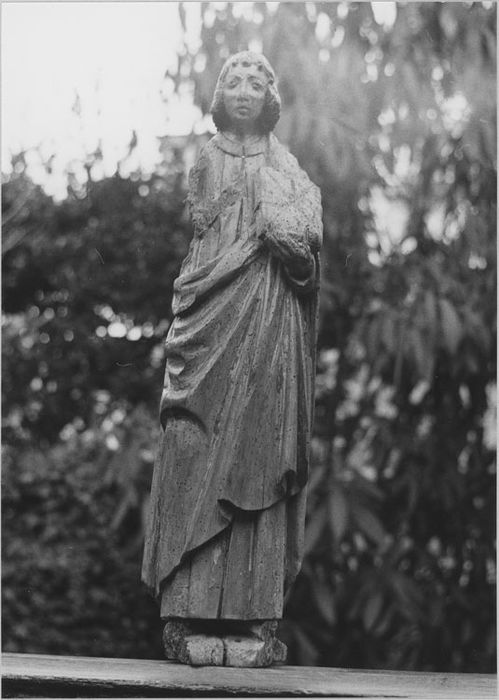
293,252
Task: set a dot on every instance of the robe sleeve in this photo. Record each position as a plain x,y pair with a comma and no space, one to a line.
290,216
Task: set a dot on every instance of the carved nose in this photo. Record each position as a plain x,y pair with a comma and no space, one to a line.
243,91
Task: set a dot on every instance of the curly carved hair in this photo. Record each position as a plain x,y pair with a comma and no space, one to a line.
272,106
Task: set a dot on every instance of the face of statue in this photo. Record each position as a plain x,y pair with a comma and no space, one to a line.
244,95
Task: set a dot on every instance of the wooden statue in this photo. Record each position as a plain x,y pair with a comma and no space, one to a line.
225,534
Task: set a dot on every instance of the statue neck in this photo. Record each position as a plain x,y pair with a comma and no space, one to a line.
245,138
230,144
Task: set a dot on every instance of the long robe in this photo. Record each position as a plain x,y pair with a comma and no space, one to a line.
225,530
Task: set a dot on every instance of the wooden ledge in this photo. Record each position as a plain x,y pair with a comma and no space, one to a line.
34,675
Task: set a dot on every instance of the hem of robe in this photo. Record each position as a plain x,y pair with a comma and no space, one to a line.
228,511
244,571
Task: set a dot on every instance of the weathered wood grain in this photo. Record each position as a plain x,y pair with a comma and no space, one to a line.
32,675
224,540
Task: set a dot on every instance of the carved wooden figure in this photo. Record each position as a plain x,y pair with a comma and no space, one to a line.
225,532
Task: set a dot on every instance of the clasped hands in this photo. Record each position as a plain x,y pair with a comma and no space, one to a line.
290,249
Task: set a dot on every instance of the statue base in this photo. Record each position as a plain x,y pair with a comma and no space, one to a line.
223,643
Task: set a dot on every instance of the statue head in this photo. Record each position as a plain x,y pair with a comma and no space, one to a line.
266,107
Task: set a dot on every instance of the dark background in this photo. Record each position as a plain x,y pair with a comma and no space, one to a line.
400,560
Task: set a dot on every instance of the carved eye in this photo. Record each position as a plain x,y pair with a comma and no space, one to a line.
233,82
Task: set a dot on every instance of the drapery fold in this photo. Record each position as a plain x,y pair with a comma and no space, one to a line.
238,396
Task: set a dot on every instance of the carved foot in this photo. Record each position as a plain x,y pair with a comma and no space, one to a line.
250,652
238,644
182,644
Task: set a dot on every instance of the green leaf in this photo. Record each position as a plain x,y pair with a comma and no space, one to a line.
324,599
361,484
388,334
369,524
338,512
422,358
372,611
409,595
314,529
430,312
475,328
373,337
383,621
451,325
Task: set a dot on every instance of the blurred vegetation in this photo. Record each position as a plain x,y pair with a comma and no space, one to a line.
397,126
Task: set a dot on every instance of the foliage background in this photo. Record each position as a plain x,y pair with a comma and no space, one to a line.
400,564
